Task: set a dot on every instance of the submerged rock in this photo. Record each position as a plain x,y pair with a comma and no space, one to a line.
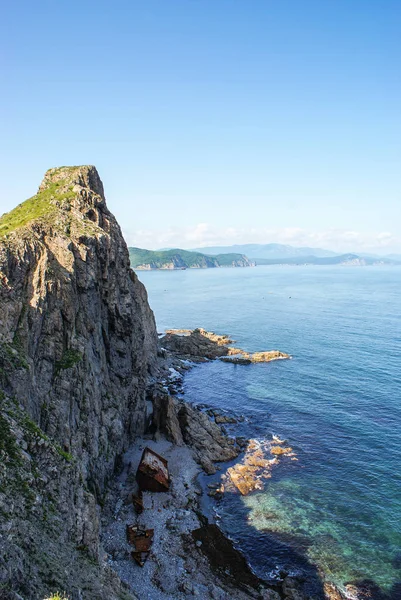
248,475
254,469
332,593
223,419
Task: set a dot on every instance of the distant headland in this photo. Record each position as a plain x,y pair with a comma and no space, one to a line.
184,259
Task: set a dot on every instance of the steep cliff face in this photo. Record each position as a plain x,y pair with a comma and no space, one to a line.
78,346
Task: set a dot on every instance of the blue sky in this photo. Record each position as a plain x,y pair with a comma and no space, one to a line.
213,121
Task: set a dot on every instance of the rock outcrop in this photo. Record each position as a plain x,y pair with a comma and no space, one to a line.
78,345
182,423
199,344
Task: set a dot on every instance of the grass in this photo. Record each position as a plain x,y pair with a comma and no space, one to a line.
16,473
11,358
70,358
66,455
34,208
13,478
9,450
50,206
32,428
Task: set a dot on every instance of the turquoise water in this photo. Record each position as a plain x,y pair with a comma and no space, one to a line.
338,403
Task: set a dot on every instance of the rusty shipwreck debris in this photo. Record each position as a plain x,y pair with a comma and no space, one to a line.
152,474
137,501
142,540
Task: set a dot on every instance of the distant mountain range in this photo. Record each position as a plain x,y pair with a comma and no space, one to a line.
268,250
260,254
286,254
342,259
396,257
184,259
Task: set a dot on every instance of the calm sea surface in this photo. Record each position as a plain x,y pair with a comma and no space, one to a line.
338,403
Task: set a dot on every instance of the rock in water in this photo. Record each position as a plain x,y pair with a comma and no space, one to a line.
77,345
199,344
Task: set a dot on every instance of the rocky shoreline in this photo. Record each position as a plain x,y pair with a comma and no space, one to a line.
178,565
252,465
190,556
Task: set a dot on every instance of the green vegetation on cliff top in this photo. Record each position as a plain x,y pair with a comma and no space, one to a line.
34,208
42,205
159,259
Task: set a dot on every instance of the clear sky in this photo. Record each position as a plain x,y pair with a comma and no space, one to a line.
212,121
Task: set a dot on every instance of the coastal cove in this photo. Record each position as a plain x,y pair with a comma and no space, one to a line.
335,403
285,417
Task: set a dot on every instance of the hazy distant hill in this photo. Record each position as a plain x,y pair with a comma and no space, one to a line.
276,254
396,257
342,259
272,251
184,259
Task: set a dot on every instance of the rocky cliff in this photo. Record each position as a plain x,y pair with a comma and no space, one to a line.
78,346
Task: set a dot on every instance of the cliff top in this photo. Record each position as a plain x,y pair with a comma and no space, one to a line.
58,189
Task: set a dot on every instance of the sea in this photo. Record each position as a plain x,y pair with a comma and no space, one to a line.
337,403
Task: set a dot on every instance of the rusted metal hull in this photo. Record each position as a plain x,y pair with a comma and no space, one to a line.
137,501
139,557
142,540
152,474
